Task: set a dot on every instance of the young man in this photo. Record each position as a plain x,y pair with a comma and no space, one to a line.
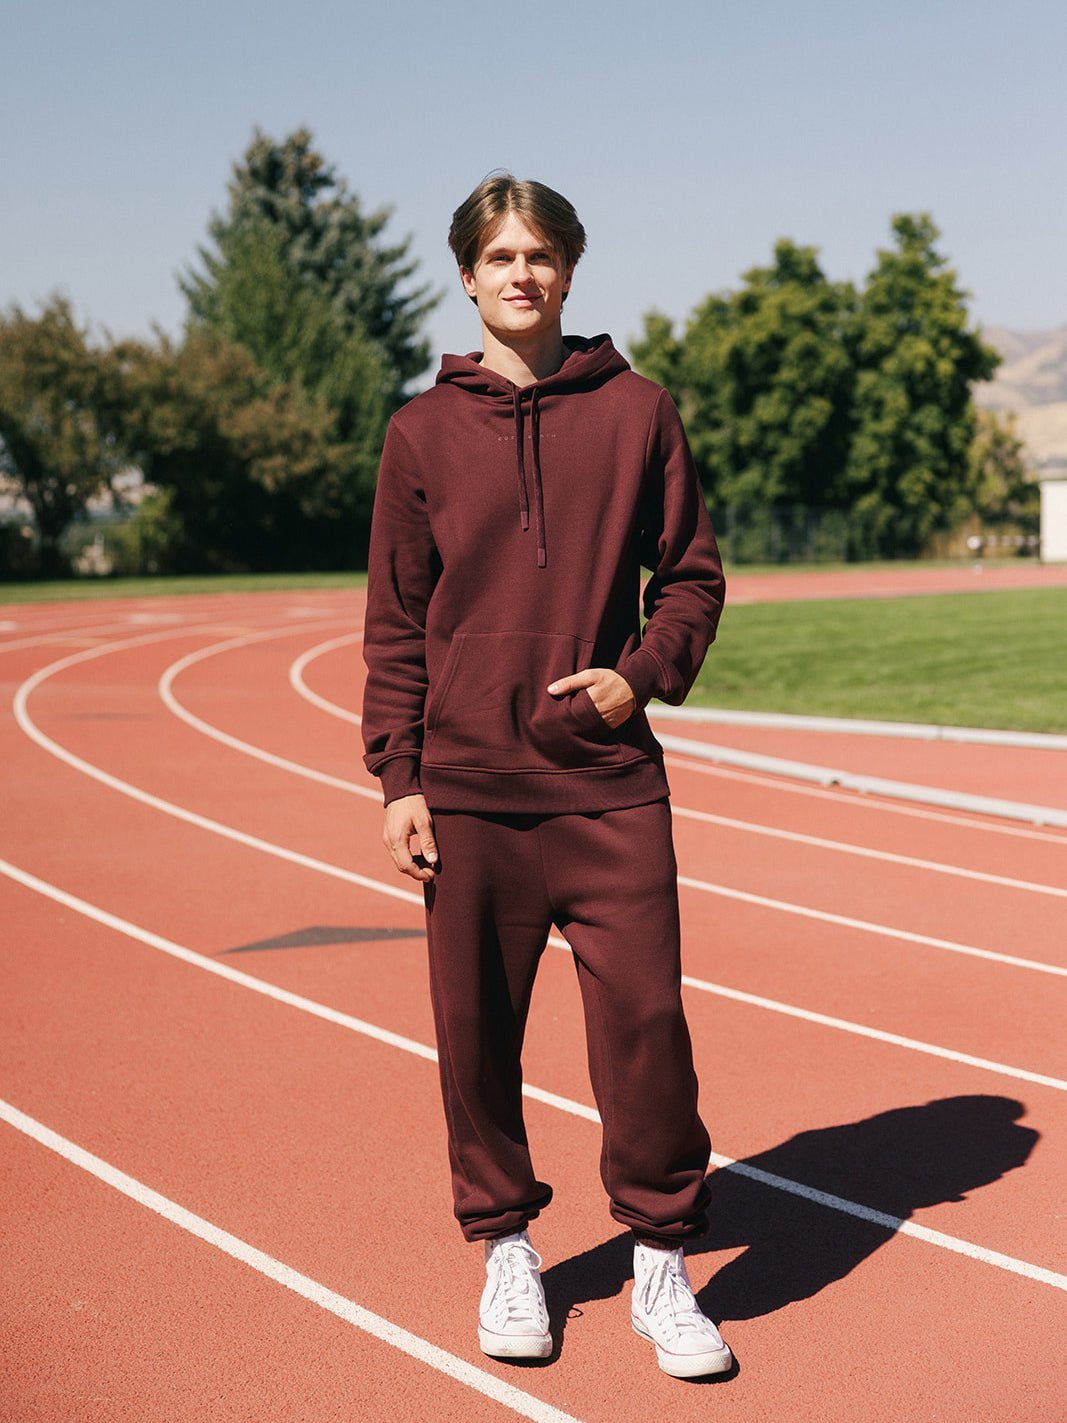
507,673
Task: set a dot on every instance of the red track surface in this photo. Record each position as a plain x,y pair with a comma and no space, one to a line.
321,1145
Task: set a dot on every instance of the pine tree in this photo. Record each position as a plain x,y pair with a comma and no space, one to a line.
287,201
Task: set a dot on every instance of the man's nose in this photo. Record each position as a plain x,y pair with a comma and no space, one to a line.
522,271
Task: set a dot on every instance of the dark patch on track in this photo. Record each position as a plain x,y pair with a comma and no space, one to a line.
321,935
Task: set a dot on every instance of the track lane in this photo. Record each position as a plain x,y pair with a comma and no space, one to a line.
984,844
288,1139
122,1316
572,1106
325,755
1027,774
170,806
735,1083
744,1049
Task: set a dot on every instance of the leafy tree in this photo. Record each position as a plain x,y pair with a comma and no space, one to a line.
334,249
798,391
913,420
251,463
763,376
296,336
999,488
59,440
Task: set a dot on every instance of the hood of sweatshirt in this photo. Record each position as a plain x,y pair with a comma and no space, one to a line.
589,363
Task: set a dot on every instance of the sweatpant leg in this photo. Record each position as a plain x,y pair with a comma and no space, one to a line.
613,880
487,923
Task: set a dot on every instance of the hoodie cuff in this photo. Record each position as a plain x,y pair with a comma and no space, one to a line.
400,777
642,671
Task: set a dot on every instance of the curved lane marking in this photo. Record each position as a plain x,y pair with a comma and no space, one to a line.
766,781
268,847
296,677
566,1104
784,906
236,743
166,690
757,777
524,1404
819,842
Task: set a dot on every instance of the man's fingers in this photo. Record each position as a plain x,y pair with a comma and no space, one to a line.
427,843
405,864
572,683
408,820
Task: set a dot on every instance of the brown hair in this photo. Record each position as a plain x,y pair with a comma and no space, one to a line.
545,211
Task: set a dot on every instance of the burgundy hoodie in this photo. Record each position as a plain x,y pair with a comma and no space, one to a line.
510,526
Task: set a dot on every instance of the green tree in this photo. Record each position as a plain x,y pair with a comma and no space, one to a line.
252,466
295,334
333,248
999,488
763,377
59,439
913,420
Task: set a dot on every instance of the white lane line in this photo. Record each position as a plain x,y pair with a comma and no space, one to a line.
268,847
166,691
903,1226
820,842
783,906
54,636
202,822
524,1404
552,1099
866,926
866,802
296,679
862,1030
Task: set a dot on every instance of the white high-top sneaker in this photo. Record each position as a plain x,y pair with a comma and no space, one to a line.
512,1316
665,1312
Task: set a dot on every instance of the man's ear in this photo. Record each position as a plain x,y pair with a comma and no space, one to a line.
567,282
467,278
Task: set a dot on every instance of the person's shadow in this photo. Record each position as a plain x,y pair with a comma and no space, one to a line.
893,1163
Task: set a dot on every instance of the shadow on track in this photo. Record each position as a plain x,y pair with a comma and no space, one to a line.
895,1162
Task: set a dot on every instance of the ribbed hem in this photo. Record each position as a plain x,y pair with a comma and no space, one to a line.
400,777
634,782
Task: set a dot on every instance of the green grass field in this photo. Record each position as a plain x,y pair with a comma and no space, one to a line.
974,659
77,589
971,659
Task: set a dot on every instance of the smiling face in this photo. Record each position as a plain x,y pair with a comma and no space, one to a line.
518,282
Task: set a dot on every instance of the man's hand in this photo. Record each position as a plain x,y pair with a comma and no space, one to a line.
409,832
610,692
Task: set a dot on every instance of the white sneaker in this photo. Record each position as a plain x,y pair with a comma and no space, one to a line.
512,1316
666,1313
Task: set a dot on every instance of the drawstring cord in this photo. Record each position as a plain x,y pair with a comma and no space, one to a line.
520,457
520,461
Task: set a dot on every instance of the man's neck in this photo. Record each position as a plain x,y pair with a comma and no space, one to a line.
523,362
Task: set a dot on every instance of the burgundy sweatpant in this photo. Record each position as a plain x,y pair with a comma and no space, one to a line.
608,879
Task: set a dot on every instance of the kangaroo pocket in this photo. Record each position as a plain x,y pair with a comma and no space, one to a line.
491,711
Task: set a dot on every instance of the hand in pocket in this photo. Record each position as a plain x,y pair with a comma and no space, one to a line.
609,692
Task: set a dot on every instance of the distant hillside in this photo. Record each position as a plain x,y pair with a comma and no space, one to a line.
1032,382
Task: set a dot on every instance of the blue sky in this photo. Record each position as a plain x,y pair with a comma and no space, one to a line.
689,136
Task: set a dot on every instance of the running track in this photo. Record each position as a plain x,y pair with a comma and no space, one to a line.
224,1192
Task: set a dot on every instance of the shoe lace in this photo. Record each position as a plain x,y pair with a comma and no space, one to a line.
517,1288
666,1297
